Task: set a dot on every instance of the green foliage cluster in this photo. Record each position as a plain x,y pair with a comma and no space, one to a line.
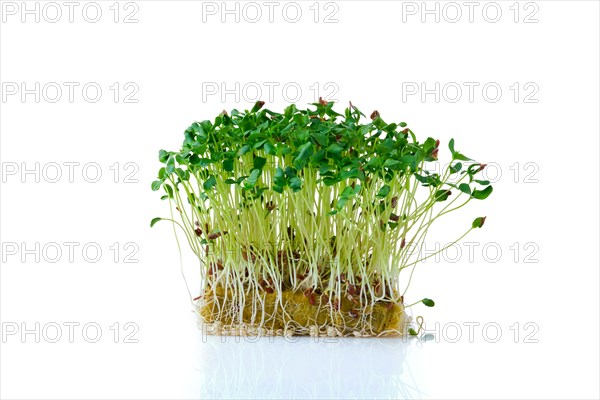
345,199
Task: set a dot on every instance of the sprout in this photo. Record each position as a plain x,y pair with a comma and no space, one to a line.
305,221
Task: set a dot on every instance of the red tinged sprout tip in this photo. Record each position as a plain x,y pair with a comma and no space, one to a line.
258,105
216,235
353,290
478,222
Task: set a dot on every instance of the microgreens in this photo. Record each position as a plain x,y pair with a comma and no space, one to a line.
310,208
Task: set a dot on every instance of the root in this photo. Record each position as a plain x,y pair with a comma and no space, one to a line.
293,313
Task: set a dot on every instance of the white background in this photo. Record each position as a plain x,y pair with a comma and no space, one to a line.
536,283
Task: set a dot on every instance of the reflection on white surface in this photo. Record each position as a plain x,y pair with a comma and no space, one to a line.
233,367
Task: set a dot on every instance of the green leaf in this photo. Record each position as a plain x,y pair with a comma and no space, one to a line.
259,144
390,128
430,180
484,183
210,182
181,174
296,184
284,149
428,302
270,149
170,165
347,192
180,159
290,172
305,151
169,190
459,156
482,194
329,181
154,221
321,138
384,191
478,222
253,178
412,332
334,148
318,156
259,162
352,173
374,162
279,173
243,150
156,185
442,195
455,154
290,110
465,188
205,162
391,163
194,159
162,156
455,168
228,165
475,168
